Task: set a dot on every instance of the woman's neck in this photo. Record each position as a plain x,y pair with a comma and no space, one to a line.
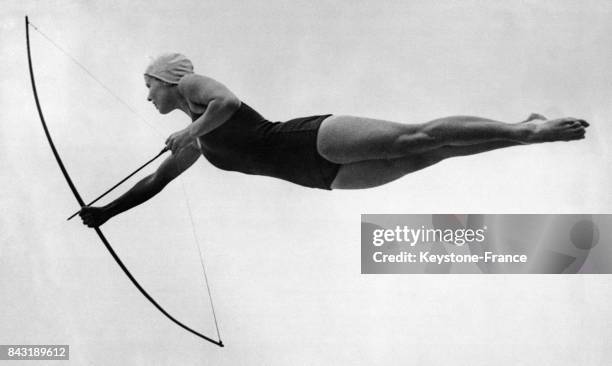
182,104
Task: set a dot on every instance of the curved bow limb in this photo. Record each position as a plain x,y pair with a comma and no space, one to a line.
82,203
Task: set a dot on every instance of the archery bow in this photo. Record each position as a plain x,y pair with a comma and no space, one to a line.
82,203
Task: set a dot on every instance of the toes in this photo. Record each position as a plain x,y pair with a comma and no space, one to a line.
575,133
579,123
576,124
575,121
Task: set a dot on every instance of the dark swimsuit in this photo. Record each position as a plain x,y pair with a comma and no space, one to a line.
250,144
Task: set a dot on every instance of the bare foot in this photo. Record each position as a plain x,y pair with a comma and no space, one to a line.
562,129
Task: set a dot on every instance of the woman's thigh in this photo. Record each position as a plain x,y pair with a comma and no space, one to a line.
374,173
346,139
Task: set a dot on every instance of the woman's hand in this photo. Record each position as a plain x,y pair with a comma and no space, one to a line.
94,216
178,140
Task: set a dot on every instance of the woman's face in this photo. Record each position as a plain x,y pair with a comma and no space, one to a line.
160,94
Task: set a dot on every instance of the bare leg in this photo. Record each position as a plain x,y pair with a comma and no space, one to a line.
346,139
377,172
373,173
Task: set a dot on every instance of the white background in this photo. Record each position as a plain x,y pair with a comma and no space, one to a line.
284,261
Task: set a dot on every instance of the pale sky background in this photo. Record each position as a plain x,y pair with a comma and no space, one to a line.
283,261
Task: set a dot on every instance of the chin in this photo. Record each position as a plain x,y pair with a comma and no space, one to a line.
164,110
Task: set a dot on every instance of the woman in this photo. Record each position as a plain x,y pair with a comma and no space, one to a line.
324,151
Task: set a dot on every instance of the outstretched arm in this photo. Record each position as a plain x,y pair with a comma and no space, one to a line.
145,189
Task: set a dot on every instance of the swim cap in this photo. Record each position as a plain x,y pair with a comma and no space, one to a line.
170,67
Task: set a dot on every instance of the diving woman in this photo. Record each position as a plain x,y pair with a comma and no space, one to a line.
323,151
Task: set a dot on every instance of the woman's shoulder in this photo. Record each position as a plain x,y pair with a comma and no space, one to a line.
197,83
201,89
191,81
